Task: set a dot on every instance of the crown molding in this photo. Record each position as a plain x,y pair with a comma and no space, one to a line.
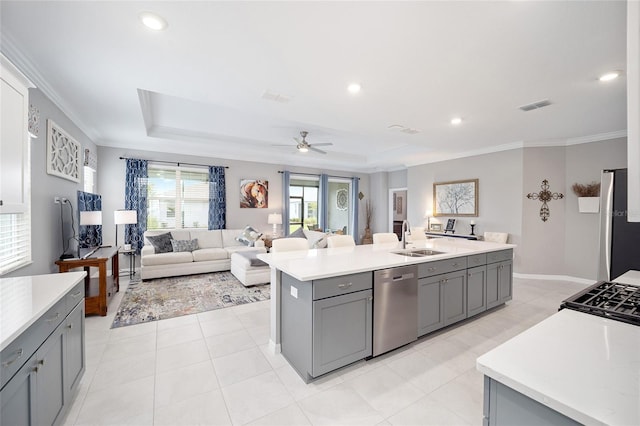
26,67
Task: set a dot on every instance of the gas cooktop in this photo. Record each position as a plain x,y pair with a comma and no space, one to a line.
608,299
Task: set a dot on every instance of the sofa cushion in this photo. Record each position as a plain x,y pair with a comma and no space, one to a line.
316,239
184,245
249,236
167,258
161,243
210,254
229,238
208,238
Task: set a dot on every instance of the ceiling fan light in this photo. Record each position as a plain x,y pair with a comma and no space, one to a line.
153,21
303,149
612,75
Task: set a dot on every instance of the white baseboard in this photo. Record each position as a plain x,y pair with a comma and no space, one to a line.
274,348
583,281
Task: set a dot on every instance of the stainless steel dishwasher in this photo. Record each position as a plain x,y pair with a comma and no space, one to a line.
395,308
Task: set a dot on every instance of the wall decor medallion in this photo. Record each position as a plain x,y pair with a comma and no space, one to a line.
34,122
342,199
456,198
63,153
545,196
254,194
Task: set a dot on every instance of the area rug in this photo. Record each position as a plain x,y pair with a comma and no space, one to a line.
164,298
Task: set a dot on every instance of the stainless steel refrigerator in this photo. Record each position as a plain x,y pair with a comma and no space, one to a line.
619,239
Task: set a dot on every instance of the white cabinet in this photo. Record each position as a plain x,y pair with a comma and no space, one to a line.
14,139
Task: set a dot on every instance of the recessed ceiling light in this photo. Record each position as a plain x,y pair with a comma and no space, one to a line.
456,120
354,88
153,21
610,76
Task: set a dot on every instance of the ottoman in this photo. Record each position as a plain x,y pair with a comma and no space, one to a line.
250,270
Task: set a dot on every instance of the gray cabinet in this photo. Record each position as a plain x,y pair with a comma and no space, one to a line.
48,360
441,301
499,283
430,316
326,324
506,406
476,290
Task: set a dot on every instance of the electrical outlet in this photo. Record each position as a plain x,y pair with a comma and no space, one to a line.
64,200
56,200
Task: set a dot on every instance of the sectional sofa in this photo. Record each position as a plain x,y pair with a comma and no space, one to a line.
213,253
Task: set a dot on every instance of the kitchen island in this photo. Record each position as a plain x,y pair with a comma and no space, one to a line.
321,300
572,368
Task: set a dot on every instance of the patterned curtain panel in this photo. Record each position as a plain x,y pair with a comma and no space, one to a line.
354,202
286,177
217,198
135,193
89,235
323,202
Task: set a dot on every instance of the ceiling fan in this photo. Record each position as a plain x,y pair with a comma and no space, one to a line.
304,146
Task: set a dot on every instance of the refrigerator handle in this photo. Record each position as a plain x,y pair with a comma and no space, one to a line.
606,221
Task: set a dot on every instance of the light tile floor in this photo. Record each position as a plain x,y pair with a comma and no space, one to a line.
215,368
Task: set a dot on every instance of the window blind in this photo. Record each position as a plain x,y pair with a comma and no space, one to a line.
15,241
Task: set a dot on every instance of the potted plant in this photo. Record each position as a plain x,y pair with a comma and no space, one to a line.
588,197
368,216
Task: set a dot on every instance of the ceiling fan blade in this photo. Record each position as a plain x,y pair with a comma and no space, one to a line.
317,150
322,144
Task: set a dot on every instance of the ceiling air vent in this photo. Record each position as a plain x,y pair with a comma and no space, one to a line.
536,105
276,97
410,131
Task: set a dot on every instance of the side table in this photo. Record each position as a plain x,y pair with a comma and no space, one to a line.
132,261
97,291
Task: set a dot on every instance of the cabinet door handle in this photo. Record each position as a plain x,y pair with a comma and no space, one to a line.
70,326
455,264
431,269
370,298
345,285
19,354
74,295
55,317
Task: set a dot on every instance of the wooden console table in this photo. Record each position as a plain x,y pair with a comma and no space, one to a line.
98,291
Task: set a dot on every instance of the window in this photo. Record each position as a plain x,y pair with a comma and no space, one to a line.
15,241
178,197
303,203
89,179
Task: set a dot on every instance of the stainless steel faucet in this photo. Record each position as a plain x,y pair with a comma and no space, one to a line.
405,228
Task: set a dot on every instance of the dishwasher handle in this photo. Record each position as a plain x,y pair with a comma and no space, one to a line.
403,277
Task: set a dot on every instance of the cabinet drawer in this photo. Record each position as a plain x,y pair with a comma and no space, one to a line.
499,256
441,266
476,260
335,286
18,351
74,296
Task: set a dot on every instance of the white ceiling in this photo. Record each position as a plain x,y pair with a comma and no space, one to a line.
197,86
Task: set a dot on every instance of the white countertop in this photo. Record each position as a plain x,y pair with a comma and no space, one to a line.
25,299
583,366
314,264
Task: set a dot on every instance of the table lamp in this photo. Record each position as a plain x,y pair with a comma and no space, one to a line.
274,219
124,217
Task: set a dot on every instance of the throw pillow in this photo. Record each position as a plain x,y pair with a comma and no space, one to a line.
316,239
185,245
298,233
161,243
249,236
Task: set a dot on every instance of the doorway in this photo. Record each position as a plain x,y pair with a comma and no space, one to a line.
397,210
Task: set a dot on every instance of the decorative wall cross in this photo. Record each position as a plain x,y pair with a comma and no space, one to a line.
544,196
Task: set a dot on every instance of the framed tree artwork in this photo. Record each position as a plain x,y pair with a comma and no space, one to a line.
456,198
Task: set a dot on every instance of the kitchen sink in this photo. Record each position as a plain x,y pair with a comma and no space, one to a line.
417,252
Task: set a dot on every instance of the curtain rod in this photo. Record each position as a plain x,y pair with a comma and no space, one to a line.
316,174
172,162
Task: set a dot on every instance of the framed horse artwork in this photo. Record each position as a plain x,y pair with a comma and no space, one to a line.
254,194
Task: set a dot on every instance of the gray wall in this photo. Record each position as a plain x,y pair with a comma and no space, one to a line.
46,237
584,164
542,245
111,175
499,192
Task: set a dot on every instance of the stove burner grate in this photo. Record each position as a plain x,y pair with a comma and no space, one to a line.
608,299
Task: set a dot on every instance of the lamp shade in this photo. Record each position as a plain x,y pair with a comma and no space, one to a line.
274,219
124,217
91,218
